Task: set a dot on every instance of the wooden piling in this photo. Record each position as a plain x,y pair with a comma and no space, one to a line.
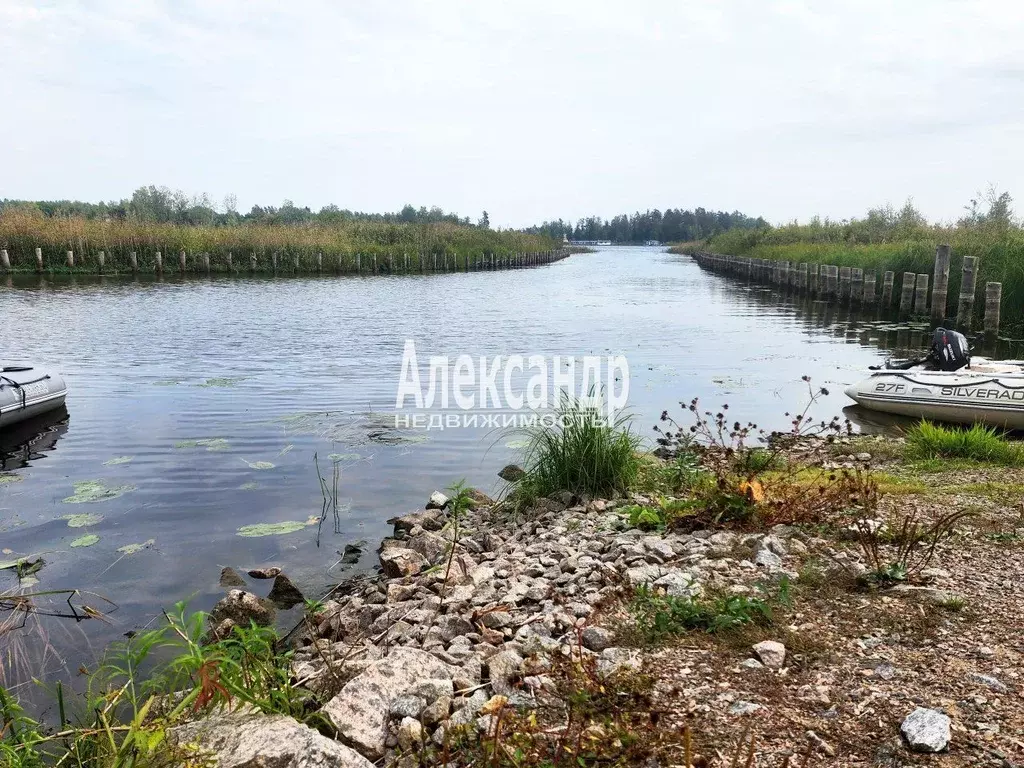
273,262
812,279
133,261
206,263
252,262
71,259
830,277
230,269
100,258
5,260
39,259
319,262
968,283
158,262
375,263
993,297
296,262
870,279
801,283
907,293
887,280
940,286
845,277
856,285
921,296
359,263
181,261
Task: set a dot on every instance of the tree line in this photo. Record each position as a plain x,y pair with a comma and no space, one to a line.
674,225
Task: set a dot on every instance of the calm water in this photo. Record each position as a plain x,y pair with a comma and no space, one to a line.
274,371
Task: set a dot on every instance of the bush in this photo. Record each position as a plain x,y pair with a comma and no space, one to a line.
582,454
659,616
979,443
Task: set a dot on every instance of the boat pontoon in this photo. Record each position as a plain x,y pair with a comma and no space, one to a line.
27,391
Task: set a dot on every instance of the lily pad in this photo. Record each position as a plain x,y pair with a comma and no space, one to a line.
117,460
82,520
250,486
85,541
222,381
259,464
286,449
167,382
517,444
96,490
27,581
4,479
271,529
209,443
131,549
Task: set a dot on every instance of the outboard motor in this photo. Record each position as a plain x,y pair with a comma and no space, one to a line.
950,350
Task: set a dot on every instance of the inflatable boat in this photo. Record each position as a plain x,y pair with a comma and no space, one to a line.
988,393
27,391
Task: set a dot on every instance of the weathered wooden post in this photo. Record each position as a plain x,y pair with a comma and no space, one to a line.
206,262
319,262
181,261
158,262
869,288
100,258
921,296
856,285
39,259
887,280
296,261
940,286
405,258
993,297
907,293
968,283
359,263
252,262
845,278
812,278
804,273
71,259
230,269
273,262
832,281
5,260
133,261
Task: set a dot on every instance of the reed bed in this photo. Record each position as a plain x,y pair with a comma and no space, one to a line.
345,246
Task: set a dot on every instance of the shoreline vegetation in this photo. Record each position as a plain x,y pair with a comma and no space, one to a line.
808,598
900,241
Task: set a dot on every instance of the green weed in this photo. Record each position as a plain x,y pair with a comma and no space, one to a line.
978,443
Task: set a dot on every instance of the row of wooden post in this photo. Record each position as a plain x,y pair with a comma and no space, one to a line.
858,287
448,263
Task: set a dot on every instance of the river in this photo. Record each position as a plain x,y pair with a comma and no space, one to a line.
199,406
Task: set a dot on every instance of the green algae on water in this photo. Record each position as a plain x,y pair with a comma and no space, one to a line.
252,485
271,529
87,491
209,443
85,541
117,460
4,479
258,464
131,549
222,381
82,520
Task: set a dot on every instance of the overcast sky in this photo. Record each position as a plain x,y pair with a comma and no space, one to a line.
529,109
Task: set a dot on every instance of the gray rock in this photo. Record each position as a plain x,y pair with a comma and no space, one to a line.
926,730
743,708
407,705
229,577
453,626
430,545
768,559
264,741
989,682
434,713
433,689
885,670
264,573
771,653
511,473
597,638
751,664
283,593
399,561
503,670
643,575
468,710
428,520
613,660
679,584
437,501
360,711
242,608
410,734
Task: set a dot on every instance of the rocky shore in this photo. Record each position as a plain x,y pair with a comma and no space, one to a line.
469,616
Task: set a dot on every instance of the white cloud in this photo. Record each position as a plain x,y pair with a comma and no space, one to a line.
529,109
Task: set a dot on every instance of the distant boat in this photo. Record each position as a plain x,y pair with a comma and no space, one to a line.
27,391
652,242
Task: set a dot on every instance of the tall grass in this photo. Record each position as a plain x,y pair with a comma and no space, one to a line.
21,232
979,443
582,453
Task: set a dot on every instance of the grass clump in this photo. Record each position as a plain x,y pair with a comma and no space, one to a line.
978,443
657,617
581,452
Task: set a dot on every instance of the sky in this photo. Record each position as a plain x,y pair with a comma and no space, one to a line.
531,109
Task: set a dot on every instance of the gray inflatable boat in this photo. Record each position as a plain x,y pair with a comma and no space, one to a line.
27,391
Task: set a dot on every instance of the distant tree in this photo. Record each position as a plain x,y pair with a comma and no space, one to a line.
485,221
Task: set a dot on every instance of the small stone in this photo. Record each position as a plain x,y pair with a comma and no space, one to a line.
511,473
988,681
229,577
407,705
503,669
284,594
410,734
613,660
679,584
398,562
771,653
351,554
926,730
597,638
885,670
438,501
985,652
434,713
863,456
751,664
433,689
743,708
242,608
264,573
768,559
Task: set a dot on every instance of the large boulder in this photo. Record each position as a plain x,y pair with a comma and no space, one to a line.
427,519
360,711
264,741
399,561
242,608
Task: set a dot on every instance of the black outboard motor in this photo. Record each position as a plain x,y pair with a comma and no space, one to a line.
950,350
